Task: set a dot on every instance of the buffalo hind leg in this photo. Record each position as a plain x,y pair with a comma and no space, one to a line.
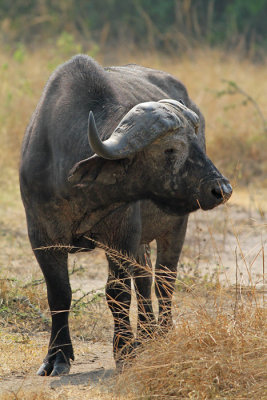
123,237
53,263
118,295
168,252
143,281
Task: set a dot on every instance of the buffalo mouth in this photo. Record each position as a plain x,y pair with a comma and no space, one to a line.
211,195
176,207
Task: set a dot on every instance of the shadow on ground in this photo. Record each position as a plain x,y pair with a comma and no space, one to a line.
90,378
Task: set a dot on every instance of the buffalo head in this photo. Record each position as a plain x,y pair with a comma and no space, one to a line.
167,163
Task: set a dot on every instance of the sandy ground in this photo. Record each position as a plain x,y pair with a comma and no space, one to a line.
94,368
229,241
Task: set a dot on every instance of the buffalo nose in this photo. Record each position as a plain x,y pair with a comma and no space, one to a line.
222,191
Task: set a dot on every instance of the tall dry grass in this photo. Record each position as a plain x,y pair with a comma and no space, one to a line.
214,352
235,132
216,349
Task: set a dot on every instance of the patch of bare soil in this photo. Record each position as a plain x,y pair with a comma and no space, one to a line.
230,240
94,366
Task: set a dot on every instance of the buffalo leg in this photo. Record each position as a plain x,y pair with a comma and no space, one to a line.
53,263
143,281
54,266
118,295
168,253
124,237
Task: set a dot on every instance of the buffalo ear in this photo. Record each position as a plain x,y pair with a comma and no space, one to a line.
85,171
97,169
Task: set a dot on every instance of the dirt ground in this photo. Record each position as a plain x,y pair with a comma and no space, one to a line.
225,244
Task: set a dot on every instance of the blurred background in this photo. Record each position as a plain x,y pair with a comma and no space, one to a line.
217,48
169,26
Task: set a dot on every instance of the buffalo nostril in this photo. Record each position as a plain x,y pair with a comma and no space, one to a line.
217,192
222,191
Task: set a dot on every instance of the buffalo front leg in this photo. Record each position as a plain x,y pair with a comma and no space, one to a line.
143,281
168,253
54,266
118,295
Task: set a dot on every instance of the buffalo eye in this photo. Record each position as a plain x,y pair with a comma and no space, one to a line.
169,152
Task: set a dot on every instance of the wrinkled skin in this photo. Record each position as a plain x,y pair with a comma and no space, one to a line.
124,203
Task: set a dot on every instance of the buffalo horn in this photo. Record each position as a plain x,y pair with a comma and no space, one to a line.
102,149
141,126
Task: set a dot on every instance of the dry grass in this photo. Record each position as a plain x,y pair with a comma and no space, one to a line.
20,352
32,395
217,348
218,352
69,393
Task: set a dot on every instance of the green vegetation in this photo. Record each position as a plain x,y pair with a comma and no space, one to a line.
166,25
21,304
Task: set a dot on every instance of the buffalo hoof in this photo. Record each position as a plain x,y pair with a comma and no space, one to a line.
45,369
60,369
53,369
126,356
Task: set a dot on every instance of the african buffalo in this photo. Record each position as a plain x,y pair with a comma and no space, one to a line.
142,172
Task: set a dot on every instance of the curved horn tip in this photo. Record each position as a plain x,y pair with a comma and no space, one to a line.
101,149
91,123
91,117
